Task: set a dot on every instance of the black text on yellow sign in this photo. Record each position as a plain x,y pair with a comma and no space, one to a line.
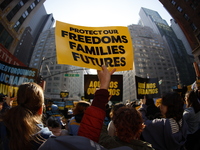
92,47
91,84
64,94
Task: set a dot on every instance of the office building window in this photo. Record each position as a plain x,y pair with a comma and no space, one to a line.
56,78
179,9
173,2
21,20
193,26
25,14
15,9
4,4
5,38
17,26
194,6
56,90
44,73
186,17
58,67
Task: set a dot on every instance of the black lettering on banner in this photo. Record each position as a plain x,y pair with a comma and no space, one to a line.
106,39
94,39
85,59
116,61
109,62
92,32
123,61
88,39
72,36
80,48
113,49
64,33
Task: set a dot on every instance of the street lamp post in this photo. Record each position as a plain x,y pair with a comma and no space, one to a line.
40,79
43,59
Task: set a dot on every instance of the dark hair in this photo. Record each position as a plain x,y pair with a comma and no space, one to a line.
193,101
174,103
53,122
128,123
152,111
149,101
115,108
80,107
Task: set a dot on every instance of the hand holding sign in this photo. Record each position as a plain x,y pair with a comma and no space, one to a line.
104,77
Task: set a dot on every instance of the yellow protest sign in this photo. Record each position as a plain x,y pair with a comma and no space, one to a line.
92,47
64,94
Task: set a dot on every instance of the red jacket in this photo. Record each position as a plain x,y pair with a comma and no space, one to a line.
94,116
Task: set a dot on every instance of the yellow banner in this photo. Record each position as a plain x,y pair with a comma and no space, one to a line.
92,47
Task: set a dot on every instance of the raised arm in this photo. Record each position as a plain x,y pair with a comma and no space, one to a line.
94,115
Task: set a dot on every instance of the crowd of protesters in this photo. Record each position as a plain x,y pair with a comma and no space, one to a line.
173,125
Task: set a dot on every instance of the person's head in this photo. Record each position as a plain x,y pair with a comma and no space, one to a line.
172,106
80,107
128,123
115,108
54,125
23,119
30,96
191,100
149,101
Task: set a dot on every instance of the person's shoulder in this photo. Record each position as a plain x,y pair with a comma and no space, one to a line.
70,143
74,143
64,132
44,131
141,145
189,110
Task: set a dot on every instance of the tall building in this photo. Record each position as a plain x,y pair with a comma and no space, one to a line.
181,61
15,17
151,59
44,59
40,22
186,14
21,23
180,35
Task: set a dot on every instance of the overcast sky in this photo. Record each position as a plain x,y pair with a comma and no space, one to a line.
102,12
